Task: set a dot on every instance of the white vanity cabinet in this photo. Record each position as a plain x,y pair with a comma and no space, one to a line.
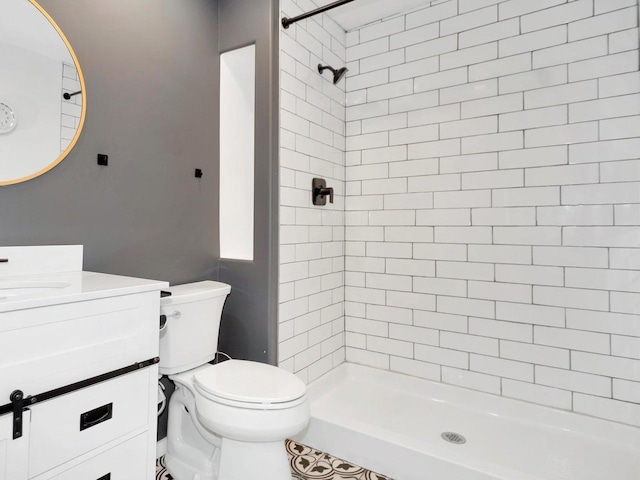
85,357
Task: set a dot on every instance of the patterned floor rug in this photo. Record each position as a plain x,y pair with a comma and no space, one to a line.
306,464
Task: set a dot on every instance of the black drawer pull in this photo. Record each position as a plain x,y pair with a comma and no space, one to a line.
105,477
94,417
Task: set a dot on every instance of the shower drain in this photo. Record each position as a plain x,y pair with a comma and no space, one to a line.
453,437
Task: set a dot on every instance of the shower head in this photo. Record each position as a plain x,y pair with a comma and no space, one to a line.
337,74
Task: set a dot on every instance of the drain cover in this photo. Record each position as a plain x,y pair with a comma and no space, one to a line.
453,437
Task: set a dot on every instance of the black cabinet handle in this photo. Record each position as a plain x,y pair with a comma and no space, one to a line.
94,417
105,477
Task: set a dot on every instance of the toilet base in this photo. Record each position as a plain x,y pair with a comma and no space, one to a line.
242,461
194,453
180,470
190,456
237,461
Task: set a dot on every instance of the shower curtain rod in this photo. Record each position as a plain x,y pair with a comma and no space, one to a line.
288,21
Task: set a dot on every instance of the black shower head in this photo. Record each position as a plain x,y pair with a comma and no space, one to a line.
337,74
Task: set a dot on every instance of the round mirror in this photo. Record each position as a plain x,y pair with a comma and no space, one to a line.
42,92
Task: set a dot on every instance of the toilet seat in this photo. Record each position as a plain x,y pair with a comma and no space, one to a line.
250,385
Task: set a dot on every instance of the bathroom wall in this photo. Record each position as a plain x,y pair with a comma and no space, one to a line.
249,325
151,76
492,200
312,142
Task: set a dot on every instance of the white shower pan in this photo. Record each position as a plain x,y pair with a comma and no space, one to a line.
393,424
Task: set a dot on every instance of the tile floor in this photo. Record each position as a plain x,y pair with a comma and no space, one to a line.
307,464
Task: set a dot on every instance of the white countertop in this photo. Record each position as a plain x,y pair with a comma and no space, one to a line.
81,286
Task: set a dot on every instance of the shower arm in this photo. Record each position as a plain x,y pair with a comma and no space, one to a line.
322,68
286,22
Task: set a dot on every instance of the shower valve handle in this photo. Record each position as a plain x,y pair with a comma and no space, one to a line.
319,192
326,191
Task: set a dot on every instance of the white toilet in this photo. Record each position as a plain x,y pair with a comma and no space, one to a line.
226,421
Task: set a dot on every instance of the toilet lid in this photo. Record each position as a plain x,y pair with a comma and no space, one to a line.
249,382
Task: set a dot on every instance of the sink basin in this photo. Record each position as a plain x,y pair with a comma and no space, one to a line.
20,288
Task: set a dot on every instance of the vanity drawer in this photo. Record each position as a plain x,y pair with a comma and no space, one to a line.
76,423
127,461
50,347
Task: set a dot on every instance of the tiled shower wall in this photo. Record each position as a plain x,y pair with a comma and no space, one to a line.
312,144
492,200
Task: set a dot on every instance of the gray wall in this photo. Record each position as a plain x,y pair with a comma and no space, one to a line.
249,323
151,70
152,75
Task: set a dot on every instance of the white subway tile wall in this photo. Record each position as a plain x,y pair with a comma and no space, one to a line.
492,196
312,121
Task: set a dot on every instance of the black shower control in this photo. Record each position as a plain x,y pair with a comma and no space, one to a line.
319,192
198,173
103,159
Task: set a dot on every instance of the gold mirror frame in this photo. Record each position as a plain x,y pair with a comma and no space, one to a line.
66,152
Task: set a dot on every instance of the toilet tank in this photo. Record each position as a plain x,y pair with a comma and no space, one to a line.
190,337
